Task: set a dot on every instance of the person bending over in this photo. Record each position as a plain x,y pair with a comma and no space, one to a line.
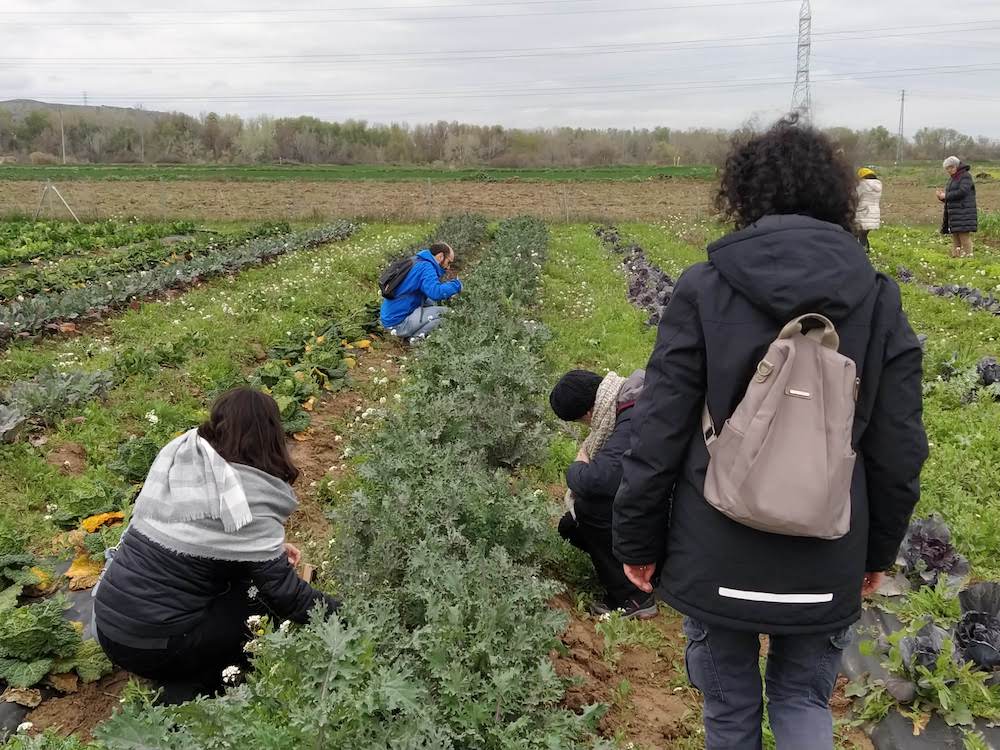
606,405
204,551
409,310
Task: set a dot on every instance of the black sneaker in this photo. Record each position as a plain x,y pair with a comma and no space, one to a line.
634,609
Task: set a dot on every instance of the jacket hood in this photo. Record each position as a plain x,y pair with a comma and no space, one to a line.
426,255
632,387
788,265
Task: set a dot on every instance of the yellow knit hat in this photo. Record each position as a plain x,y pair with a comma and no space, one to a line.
865,172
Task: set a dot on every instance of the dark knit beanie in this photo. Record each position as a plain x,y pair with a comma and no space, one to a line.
575,394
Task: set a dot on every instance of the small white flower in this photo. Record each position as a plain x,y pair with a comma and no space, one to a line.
25,726
382,400
252,592
254,620
52,507
230,673
284,626
337,438
151,417
47,517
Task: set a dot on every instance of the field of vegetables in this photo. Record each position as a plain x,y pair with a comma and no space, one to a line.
431,484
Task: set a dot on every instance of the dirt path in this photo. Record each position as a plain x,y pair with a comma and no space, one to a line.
79,712
320,450
657,709
905,200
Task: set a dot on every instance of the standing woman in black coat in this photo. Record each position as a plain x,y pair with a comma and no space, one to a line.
959,199
792,201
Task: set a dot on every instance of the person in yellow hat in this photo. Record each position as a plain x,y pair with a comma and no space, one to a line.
869,215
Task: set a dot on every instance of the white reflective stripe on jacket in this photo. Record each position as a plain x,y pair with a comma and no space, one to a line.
869,211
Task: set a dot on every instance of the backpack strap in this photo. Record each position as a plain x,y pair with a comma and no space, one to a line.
827,336
707,426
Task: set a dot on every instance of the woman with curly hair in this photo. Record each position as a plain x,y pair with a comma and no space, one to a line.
792,201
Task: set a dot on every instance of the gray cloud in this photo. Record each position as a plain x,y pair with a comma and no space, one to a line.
530,64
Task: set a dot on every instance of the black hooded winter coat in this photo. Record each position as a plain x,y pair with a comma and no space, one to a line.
960,203
723,315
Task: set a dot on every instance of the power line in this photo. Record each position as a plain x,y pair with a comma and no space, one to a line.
254,11
394,58
510,91
383,19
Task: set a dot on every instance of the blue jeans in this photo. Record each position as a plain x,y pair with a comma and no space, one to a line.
419,323
800,676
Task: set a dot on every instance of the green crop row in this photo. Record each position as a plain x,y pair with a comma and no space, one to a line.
63,273
25,239
446,631
37,314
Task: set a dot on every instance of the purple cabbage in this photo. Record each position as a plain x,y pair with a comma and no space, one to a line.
927,553
977,633
649,288
923,648
988,371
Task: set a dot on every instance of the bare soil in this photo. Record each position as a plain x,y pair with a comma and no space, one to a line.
78,713
905,199
319,454
659,711
70,458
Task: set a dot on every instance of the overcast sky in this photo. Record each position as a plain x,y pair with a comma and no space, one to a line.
602,63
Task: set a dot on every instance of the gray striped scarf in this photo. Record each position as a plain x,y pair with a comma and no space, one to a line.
190,481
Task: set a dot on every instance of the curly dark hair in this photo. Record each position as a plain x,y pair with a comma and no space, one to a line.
791,168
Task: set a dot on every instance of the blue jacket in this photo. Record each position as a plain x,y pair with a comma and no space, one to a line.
420,285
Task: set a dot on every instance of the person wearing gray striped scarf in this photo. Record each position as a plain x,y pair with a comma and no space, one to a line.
205,553
605,404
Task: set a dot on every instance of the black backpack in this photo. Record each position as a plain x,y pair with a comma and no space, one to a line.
394,275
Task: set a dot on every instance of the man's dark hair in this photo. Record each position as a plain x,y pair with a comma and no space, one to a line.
441,247
245,428
790,169
575,394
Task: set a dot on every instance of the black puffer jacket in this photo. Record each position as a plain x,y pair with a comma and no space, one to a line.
720,321
596,483
149,592
960,203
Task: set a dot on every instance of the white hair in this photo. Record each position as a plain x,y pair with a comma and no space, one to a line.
951,161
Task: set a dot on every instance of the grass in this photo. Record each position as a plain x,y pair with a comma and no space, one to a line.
926,253
989,224
584,305
323,173
237,317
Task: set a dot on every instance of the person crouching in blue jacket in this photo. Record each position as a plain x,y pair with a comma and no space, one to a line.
411,314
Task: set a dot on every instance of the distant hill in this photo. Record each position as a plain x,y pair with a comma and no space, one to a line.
22,107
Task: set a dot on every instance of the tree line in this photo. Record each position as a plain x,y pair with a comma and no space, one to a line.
105,135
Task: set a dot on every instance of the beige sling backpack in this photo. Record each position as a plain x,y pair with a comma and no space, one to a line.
783,462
